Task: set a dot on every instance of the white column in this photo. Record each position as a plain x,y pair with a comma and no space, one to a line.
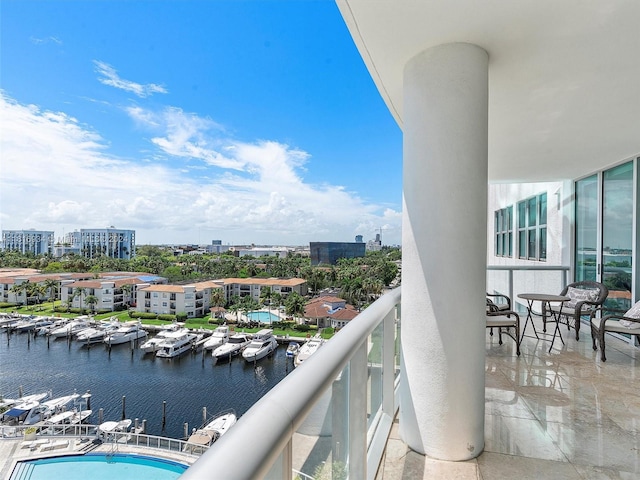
444,250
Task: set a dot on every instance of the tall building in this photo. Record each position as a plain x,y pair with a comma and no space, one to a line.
329,252
110,242
37,242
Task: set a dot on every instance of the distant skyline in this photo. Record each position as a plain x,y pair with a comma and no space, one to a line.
246,122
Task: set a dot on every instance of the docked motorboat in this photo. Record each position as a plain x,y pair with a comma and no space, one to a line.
70,329
176,343
124,334
308,349
24,413
220,336
262,344
292,349
154,344
212,431
91,335
31,324
234,345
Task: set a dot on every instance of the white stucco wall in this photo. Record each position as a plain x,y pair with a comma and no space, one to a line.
559,214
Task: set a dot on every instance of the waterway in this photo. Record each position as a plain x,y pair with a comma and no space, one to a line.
187,383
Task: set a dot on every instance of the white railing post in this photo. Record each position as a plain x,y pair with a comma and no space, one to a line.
358,378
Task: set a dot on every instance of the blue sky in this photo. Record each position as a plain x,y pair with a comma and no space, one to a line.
188,121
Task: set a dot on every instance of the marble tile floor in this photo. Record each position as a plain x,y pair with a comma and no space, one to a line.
559,415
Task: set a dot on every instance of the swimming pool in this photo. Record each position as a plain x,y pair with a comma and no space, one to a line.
263,317
98,466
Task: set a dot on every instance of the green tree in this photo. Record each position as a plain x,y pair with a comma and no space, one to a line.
91,300
294,304
52,287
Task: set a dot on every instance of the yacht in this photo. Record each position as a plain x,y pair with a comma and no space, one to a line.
213,430
70,329
153,344
176,343
262,344
220,336
308,349
125,334
31,324
96,334
234,345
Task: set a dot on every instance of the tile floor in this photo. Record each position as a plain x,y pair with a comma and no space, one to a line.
559,415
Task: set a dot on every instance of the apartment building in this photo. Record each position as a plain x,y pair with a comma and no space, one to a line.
243,287
37,242
194,299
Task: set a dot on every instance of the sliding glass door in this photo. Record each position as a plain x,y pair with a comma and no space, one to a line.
604,240
617,234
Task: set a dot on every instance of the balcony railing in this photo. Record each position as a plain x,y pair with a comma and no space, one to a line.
330,416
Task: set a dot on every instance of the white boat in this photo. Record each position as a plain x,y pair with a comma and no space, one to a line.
31,324
69,329
292,349
80,416
59,403
308,349
60,418
212,431
176,343
46,329
24,413
220,336
153,344
234,345
125,334
262,344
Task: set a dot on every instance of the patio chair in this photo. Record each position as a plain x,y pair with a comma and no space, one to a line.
504,321
584,296
620,321
499,301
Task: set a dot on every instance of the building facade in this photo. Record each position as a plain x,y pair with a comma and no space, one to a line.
328,253
37,242
110,242
243,287
194,300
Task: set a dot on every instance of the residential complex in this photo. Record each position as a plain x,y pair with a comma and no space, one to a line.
252,287
194,300
37,242
89,243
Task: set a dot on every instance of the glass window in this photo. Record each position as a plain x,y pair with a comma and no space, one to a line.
532,228
503,232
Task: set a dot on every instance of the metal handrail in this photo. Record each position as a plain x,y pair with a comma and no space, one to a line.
265,431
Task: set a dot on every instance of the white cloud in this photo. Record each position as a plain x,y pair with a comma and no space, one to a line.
50,39
57,174
110,77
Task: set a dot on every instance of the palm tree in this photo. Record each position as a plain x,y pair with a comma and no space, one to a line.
79,292
295,305
91,300
18,289
52,287
265,296
127,288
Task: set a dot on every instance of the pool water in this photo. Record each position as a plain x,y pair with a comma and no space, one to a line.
98,466
263,317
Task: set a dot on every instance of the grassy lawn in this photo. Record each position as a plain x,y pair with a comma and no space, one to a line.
46,309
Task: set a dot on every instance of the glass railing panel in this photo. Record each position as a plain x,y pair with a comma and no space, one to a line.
320,446
374,384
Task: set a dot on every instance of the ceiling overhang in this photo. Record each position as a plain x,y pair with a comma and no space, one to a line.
564,76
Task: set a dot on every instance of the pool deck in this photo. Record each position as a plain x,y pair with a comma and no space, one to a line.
17,450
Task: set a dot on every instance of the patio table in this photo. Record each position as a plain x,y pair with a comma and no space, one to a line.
547,299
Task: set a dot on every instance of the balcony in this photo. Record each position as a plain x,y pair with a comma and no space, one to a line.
563,414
